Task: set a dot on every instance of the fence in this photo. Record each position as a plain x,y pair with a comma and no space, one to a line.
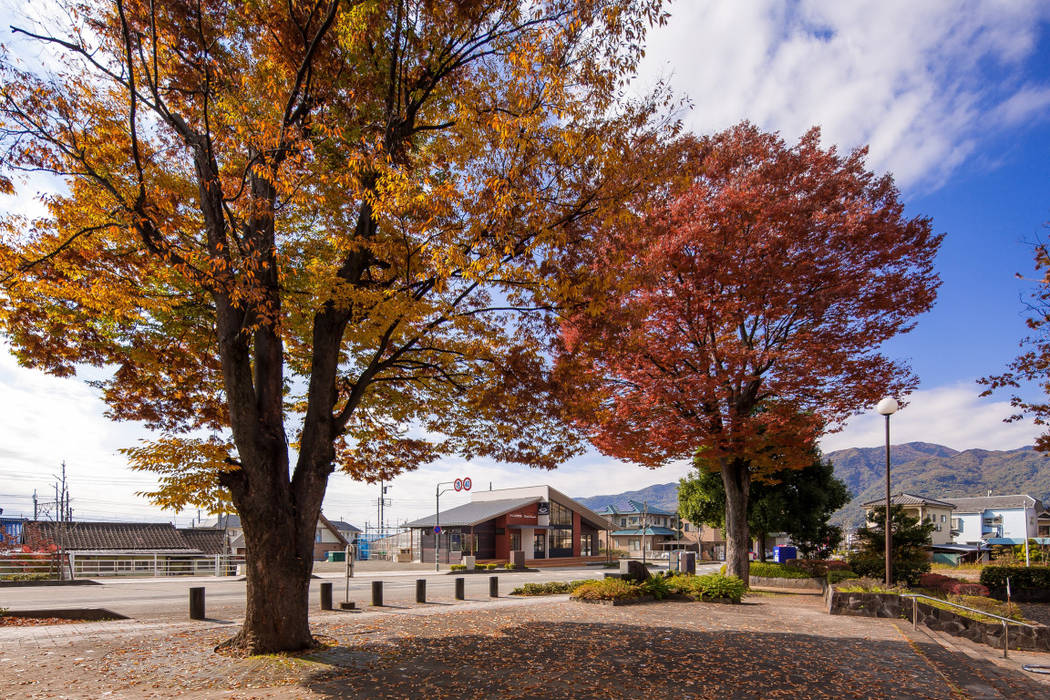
24,567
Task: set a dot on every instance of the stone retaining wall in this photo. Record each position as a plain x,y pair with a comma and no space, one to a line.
862,604
891,605
990,633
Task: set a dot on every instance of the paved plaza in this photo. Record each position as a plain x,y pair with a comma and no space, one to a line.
772,646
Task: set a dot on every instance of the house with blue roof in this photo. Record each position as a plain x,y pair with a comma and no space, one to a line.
636,525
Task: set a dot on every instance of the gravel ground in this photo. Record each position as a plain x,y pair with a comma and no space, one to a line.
772,646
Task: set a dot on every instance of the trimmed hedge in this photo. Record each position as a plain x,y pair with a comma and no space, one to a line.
1020,576
767,570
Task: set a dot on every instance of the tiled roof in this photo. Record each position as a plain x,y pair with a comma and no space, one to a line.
633,508
475,512
345,526
648,531
980,504
909,499
80,536
208,541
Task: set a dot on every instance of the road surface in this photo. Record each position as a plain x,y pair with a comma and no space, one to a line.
168,598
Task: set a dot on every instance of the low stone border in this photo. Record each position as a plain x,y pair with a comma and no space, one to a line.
622,601
87,614
803,584
76,582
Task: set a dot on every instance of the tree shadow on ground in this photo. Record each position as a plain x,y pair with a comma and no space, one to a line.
587,660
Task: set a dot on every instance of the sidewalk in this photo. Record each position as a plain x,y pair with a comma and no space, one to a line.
772,646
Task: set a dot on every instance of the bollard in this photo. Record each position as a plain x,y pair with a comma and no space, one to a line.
326,596
493,586
197,603
377,593
459,588
421,590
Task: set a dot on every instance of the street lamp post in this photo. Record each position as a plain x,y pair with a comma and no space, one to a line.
887,407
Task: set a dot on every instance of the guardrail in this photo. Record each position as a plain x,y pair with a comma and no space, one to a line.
1004,620
68,565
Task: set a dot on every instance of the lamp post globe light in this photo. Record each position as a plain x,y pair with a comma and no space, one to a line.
887,407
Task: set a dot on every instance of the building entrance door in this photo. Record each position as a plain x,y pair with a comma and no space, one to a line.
515,540
539,542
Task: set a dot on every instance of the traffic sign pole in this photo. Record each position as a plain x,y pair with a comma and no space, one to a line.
458,485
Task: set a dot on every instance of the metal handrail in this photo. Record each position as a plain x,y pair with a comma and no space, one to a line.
1004,620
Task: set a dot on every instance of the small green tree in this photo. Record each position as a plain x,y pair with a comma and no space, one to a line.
798,502
910,539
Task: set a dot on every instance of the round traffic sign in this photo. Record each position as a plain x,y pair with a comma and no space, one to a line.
466,484
458,484
437,529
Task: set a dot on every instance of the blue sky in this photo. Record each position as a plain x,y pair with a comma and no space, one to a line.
952,96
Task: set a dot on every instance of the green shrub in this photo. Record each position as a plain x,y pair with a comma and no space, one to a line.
509,566
457,567
908,570
709,586
817,568
657,587
777,571
614,553
840,575
608,589
1020,576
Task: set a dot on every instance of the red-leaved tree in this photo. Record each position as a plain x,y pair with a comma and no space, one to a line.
743,310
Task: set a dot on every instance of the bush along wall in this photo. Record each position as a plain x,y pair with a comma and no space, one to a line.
1027,584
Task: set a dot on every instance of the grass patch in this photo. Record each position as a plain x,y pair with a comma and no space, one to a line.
868,585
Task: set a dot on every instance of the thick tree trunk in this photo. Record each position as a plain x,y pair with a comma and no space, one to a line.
278,586
736,478
762,547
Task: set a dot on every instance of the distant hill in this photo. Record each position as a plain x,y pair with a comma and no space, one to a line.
937,471
663,496
921,468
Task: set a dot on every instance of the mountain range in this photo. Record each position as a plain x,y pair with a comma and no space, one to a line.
921,468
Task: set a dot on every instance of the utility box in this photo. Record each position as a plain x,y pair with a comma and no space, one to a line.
517,558
781,553
336,555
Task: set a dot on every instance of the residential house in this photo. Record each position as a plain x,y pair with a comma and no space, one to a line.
709,542
926,509
996,519
538,520
637,525
328,535
1043,524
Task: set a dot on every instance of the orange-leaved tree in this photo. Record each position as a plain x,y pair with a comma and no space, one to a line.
313,235
753,296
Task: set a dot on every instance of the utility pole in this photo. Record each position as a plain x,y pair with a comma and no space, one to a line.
645,524
34,505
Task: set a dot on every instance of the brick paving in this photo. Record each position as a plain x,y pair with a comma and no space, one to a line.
773,646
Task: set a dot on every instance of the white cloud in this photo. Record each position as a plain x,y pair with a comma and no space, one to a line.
910,79
953,415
